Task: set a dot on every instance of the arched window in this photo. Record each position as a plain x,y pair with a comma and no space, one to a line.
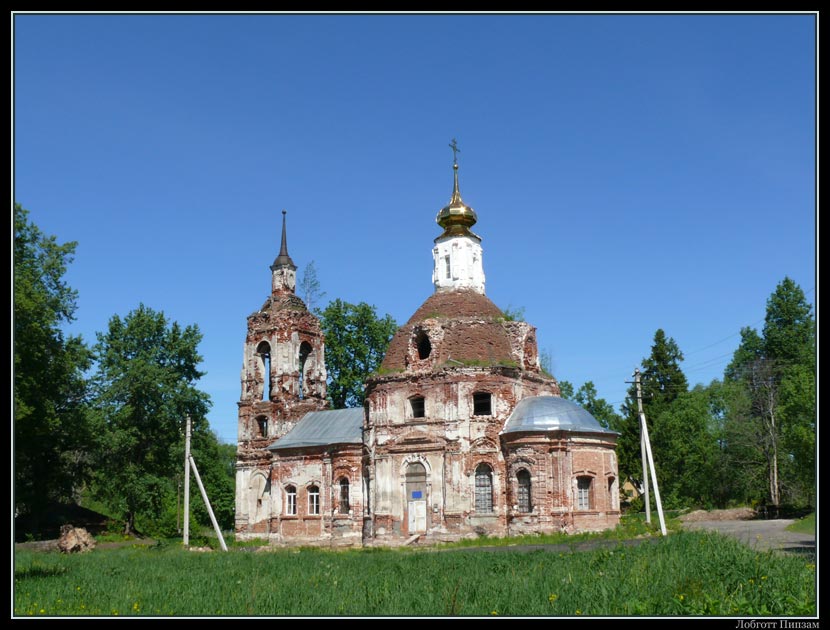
344,495
264,352
611,503
482,404
291,500
416,407
423,345
305,350
583,493
484,488
262,425
313,500
524,501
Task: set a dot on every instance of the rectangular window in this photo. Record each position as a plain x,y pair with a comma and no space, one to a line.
447,265
417,406
583,493
482,404
314,500
291,502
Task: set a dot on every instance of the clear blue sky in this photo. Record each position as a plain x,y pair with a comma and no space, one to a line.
630,172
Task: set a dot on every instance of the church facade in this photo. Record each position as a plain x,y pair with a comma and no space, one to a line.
461,433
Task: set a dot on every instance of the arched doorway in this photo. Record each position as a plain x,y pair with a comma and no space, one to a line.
416,497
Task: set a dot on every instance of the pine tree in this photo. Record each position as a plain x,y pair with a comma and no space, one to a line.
662,382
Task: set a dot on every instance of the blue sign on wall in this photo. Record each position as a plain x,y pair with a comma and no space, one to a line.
416,494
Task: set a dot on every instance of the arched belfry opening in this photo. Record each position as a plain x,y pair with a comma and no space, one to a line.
305,352
263,351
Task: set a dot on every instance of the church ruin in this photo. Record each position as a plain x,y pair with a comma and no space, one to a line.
461,432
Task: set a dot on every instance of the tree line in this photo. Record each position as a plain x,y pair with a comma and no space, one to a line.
103,424
748,438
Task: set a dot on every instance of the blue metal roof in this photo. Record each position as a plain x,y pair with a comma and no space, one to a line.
551,413
320,428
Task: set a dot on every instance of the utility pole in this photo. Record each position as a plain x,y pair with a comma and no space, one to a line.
178,505
207,505
643,457
644,441
188,463
186,537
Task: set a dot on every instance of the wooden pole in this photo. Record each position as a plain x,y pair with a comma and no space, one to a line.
644,429
186,536
207,505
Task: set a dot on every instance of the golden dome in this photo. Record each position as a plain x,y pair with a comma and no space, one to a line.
457,218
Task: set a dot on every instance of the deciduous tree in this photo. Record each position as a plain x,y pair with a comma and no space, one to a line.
145,385
309,287
356,342
587,397
52,439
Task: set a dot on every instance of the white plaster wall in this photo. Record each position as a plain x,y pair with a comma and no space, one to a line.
283,279
242,479
259,501
383,485
466,268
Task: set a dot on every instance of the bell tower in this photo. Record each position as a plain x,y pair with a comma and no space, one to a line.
283,378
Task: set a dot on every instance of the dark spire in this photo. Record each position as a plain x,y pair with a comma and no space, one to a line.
283,260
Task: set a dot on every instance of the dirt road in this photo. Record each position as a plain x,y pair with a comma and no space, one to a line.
761,534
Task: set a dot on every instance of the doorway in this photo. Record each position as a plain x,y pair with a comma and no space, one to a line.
416,498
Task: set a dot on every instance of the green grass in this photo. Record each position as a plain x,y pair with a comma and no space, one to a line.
631,526
688,573
806,525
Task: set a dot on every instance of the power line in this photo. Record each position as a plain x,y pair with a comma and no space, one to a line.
719,341
708,362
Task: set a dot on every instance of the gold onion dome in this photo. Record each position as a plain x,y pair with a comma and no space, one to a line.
457,218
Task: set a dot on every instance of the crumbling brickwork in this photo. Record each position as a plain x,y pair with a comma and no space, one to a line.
426,410
336,518
283,377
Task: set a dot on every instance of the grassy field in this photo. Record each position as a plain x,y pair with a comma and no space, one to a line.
631,526
688,573
806,525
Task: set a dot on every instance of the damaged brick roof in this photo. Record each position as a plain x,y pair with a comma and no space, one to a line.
465,328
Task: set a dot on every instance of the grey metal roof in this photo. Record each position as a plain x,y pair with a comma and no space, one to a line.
551,413
319,428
